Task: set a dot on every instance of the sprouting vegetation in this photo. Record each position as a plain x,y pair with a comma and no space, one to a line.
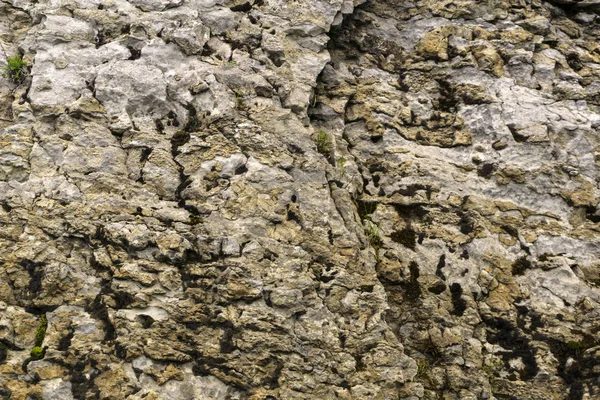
15,70
422,366
373,235
580,347
341,163
195,220
239,98
40,333
365,209
424,372
492,366
38,352
324,143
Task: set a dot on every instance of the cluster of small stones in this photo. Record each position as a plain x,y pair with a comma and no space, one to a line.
284,199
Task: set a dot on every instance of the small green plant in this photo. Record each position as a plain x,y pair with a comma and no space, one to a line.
239,98
580,347
424,372
341,163
15,70
493,366
365,209
324,143
37,352
40,333
195,220
374,237
430,395
422,366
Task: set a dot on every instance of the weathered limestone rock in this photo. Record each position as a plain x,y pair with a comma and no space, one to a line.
485,235
221,199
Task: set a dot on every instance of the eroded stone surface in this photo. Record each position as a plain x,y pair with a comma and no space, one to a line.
469,137
167,206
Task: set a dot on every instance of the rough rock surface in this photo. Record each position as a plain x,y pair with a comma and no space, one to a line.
318,199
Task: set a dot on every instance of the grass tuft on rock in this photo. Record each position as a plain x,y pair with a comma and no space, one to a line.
15,70
324,143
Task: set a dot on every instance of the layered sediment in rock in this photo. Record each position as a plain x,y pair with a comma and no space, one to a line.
300,200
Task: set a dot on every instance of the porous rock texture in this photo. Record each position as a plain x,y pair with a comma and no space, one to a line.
317,199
